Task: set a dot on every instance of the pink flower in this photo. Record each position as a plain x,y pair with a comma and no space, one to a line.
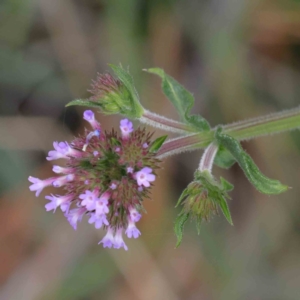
60,181
38,184
126,128
55,201
62,150
75,215
89,199
108,241
59,169
102,204
113,186
131,230
119,243
98,220
89,136
135,216
129,170
89,116
144,177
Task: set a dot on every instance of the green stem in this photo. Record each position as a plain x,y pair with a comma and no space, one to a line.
271,124
245,130
164,123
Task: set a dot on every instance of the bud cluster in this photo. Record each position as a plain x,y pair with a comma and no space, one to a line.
106,177
204,195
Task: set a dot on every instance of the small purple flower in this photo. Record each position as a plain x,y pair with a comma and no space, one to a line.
89,199
129,170
113,186
144,177
55,201
98,220
89,136
126,128
75,215
105,177
59,170
108,241
60,181
102,204
119,243
135,216
65,206
89,116
131,230
38,184
62,150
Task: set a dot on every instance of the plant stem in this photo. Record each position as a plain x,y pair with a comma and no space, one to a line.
208,157
164,123
245,130
270,124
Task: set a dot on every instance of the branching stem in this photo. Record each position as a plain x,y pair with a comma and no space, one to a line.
245,130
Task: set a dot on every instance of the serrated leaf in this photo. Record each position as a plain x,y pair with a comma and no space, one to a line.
182,99
156,144
261,182
179,226
224,158
83,102
225,209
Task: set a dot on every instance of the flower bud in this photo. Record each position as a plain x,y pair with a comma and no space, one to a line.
114,95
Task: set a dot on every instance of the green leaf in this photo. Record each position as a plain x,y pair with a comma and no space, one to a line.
224,158
125,77
83,102
155,146
182,99
179,226
225,209
261,182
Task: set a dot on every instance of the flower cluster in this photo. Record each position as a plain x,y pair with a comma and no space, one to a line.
106,177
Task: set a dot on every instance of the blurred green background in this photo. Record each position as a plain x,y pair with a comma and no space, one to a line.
239,58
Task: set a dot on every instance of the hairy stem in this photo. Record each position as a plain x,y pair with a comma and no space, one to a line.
208,157
164,123
271,124
245,130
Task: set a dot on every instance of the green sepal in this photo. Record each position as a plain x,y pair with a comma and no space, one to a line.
84,102
226,186
120,98
134,109
183,195
156,144
262,183
224,158
225,209
182,99
179,226
216,191
201,199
